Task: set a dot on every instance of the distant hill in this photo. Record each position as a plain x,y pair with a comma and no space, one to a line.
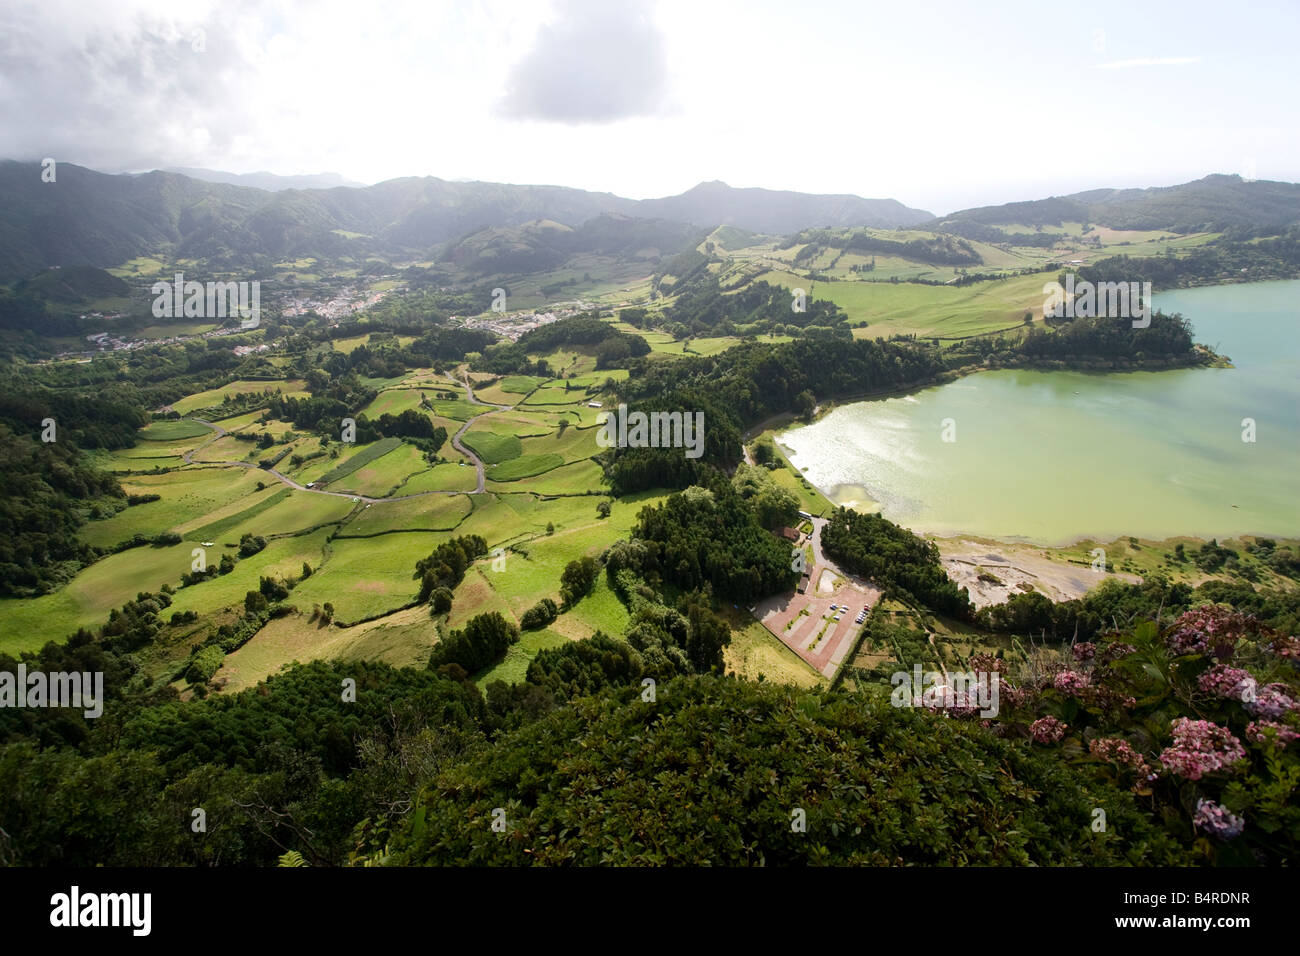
73,284
775,211
543,244
1212,204
262,180
91,218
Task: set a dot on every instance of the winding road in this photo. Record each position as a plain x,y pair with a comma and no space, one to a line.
219,432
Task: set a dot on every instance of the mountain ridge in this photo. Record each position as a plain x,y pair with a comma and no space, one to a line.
90,218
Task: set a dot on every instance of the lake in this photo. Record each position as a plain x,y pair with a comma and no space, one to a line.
1052,457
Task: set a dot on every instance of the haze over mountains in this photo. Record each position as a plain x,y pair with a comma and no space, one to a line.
87,217
264,180
1211,204
91,218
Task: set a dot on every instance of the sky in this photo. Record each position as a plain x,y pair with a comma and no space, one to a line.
941,106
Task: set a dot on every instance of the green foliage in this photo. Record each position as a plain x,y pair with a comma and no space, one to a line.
881,551
579,668
713,771
446,566
250,544
204,664
713,538
577,579
774,506
539,615
484,639
44,488
440,601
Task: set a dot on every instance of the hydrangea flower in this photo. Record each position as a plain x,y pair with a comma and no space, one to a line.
1116,650
1085,651
1071,683
1118,751
986,663
1258,732
1200,747
1205,628
1047,730
1217,821
1224,681
1272,700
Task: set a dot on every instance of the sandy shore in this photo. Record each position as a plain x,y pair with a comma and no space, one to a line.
1019,568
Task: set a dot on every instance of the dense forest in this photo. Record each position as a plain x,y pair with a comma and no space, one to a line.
1237,256
881,551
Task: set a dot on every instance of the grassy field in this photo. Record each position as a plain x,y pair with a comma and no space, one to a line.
366,577
394,401
521,384
431,513
382,476
191,403
449,476
291,512
754,654
492,446
187,496
172,431
403,639
363,457
577,478
923,310
525,466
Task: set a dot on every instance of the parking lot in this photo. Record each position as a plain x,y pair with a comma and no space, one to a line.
806,623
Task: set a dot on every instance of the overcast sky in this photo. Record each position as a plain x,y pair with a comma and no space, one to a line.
939,105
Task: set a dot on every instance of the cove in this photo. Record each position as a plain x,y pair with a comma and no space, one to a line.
1052,457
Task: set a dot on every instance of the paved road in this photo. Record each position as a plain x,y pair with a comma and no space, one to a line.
455,439
219,432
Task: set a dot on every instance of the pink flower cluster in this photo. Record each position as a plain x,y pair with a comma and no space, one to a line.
1209,626
986,663
1071,683
1217,821
1047,730
1224,681
1085,651
1257,732
1113,652
1272,700
1288,647
1016,696
1117,750
1200,747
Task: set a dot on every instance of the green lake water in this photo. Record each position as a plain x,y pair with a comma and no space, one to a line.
1051,457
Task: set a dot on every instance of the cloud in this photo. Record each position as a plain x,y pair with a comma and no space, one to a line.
598,63
1148,61
130,88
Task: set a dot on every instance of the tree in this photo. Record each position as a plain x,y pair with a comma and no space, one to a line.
539,615
577,579
484,639
254,602
602,509
805,403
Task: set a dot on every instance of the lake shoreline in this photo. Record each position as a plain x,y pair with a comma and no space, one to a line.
1088,455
